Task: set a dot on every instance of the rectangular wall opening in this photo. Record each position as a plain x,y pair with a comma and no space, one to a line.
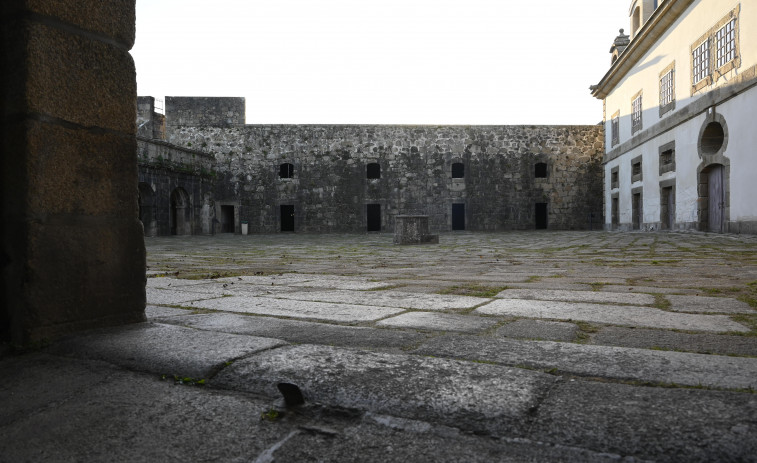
615,213
458,216
374,217
667,207
541,216
227,219
287,218
636,211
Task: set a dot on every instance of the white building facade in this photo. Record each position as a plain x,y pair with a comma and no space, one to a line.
680,103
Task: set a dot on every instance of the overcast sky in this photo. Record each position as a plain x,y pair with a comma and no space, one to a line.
383,61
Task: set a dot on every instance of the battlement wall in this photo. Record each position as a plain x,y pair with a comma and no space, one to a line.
205,111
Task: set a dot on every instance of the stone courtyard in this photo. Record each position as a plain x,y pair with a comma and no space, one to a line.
537,346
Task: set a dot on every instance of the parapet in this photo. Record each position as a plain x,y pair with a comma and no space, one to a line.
205,111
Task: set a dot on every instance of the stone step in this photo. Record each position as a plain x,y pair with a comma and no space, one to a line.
621,363
611,315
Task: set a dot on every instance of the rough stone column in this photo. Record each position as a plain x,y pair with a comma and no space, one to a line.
72,254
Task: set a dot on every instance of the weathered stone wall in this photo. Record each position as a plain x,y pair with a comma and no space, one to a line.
150,124
175,189
73,255
205,111
329,189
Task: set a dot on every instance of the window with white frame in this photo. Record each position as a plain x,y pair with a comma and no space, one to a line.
615,129
636,114
725,39
667,89
716,52
701,61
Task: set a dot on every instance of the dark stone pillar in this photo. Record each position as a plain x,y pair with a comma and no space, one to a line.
72,254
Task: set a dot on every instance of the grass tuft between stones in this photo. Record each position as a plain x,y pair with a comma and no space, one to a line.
473,289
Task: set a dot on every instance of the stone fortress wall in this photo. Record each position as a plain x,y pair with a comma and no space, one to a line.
497,184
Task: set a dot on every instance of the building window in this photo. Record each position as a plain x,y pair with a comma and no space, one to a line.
540,170
725,39
286,170
701,61
667,157
615,129
373,170
718,48
667,89
636,114
614,181
458,170
636,174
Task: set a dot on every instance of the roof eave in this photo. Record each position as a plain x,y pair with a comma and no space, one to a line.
665,15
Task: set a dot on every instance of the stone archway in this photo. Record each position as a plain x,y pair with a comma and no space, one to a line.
713,175
147,209
179,217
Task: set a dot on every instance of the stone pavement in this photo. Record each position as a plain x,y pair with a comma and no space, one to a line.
535,346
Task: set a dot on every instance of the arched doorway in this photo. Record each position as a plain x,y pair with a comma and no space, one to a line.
714,174
179,215
147,209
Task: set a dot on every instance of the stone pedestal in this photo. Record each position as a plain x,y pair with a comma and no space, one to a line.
413,229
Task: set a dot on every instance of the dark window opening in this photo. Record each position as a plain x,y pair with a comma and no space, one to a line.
374,217
373,170
614,178
540,170
458,170
712,138
666,157
541,216
636,174
614,213
286,170
227,219
458,216
287,218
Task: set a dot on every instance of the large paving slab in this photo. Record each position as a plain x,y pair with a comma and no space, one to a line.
381,439
439,322
666,425
155,311
169,282
610,314
174,297
577,296
539,330
685,303
646,289
345,313
389,298
621,363
672,340
301,332
63,410
162,349
474,396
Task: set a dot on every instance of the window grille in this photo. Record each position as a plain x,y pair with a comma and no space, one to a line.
286,170
615,129
701,60
667,94
726,43
636,115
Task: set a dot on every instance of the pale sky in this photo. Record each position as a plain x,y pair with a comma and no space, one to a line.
383,61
